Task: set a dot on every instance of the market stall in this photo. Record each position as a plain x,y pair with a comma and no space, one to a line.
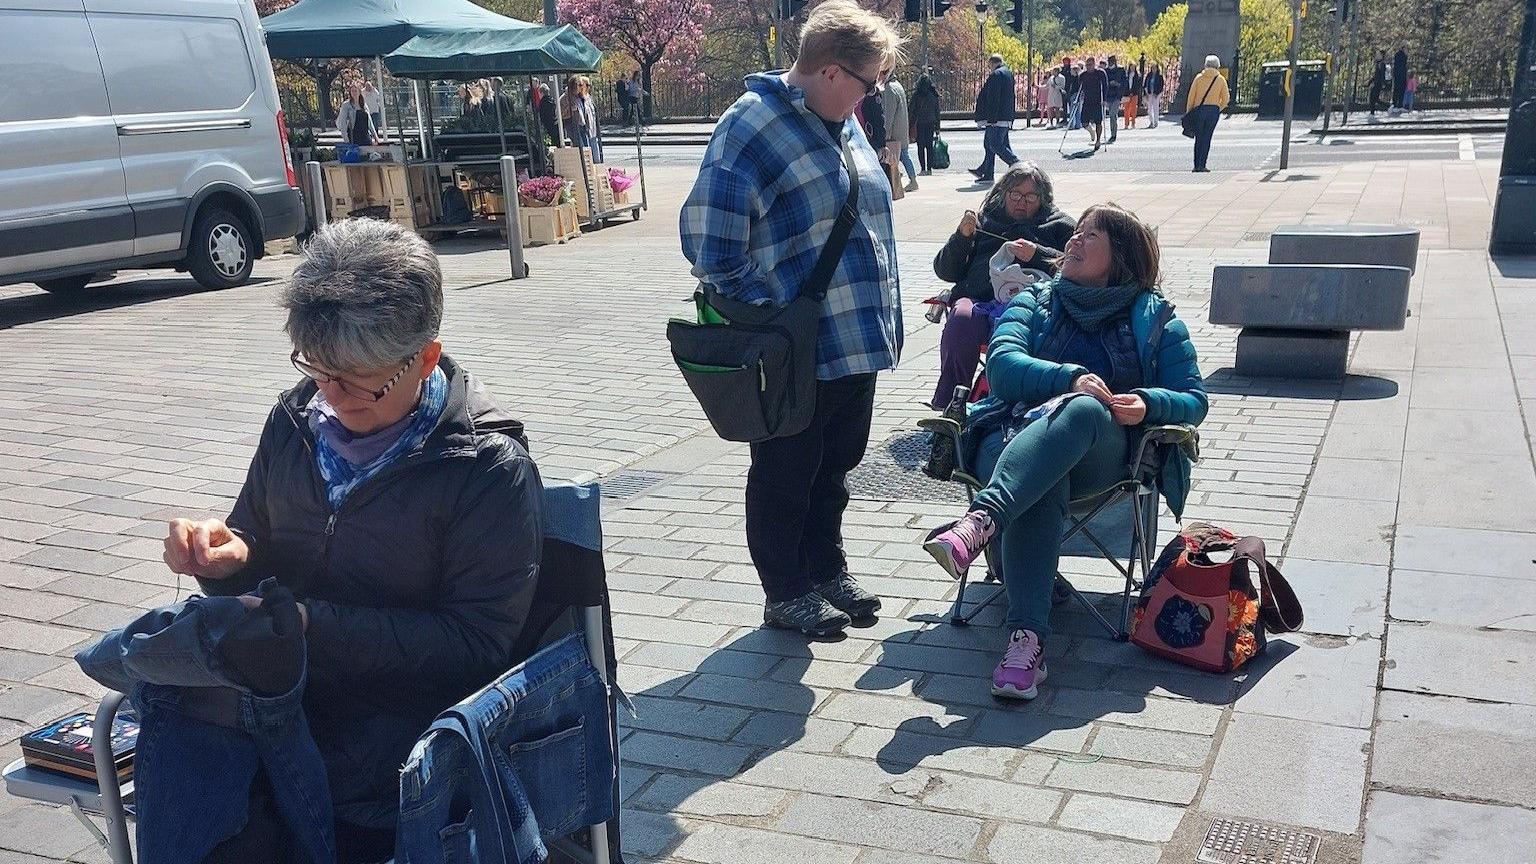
599,195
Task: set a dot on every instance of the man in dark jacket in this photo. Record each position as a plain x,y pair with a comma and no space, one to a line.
1399,77
1378,80
397,501
1117,87
994,114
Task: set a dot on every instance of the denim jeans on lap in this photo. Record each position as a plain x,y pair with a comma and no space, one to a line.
528,757
1077,453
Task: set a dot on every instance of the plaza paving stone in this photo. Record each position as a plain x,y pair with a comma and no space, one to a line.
142,401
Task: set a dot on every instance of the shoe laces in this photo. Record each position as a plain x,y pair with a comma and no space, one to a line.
974,529
1023,651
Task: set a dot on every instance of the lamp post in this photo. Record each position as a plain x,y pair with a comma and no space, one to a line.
981,25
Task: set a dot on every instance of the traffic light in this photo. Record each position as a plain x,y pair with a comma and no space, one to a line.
1016,18
940,7
912,11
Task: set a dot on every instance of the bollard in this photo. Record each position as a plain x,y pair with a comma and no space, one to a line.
514,219
316,192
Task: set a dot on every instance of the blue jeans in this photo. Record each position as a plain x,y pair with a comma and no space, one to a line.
529,757
192,777
906,161
994,141
1077,453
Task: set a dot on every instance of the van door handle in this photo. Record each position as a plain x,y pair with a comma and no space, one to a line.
183,126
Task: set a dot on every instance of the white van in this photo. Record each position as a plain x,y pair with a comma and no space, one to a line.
139,133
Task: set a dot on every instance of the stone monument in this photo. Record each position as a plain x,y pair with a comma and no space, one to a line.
1514,210
1211,28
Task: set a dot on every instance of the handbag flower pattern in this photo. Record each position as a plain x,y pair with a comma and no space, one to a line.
1182,624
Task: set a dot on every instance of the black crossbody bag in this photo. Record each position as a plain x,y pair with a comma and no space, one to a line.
753,367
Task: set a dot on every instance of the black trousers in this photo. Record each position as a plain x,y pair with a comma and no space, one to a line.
796,494
925,145
1206,118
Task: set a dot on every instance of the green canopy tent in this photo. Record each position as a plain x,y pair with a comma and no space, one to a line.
531,50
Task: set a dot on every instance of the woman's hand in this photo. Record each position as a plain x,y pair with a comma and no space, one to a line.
1023,250
1128,409
968,224
1094,386
207,549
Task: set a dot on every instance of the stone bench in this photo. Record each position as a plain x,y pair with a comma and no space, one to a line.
1296,318
1385,245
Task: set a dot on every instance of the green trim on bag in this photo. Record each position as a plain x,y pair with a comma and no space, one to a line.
707,313
702,367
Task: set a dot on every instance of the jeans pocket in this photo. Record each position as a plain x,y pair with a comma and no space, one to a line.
459,846
552,771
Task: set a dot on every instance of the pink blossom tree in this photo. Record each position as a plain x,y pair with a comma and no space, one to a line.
656,34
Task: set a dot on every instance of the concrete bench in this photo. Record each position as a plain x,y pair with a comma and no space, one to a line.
1296,318
1385,245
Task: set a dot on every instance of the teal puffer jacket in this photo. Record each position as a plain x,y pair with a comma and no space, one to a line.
1016,374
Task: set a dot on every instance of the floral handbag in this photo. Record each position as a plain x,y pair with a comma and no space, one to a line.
1212,614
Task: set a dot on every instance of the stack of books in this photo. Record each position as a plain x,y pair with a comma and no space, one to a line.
64,746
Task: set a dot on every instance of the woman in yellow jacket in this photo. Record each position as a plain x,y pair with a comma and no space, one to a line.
1207,97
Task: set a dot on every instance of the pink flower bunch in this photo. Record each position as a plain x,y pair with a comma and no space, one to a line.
618,180
541,191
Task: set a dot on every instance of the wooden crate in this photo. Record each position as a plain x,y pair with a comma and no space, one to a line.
543,225
409,191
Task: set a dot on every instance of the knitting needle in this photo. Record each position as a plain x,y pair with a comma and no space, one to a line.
981,230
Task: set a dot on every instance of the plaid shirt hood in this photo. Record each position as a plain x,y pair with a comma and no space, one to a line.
768,192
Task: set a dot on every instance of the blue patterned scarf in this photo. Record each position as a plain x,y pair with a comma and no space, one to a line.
331,439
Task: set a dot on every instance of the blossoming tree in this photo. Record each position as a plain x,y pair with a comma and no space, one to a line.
663,34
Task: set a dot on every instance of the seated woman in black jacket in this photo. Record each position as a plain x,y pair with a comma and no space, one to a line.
396,499
1021,207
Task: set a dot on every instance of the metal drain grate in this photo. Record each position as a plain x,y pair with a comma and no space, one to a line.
1237,841
893,471
626,484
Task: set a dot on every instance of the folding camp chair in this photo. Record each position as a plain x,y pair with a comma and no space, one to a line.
1140,487
571,594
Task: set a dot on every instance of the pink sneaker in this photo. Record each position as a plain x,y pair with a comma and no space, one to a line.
1022,669
956,547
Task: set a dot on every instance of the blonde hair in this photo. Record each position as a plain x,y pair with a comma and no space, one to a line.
840,31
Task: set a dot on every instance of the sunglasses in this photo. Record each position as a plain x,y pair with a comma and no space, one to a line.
870,87
353,389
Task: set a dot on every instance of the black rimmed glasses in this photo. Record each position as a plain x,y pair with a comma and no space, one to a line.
870,87
353,389
1023,197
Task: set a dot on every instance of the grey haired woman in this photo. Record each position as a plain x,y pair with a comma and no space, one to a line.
398,502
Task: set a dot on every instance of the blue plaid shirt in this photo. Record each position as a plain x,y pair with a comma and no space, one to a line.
767,195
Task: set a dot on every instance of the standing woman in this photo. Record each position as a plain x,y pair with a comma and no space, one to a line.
1154,87
1133,98
352,121
925,121
1055,97
1207,97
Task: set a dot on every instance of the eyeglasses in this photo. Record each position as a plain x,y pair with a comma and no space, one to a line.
1022,197
870,87
350,388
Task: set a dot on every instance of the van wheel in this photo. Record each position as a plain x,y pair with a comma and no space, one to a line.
66,285
220,254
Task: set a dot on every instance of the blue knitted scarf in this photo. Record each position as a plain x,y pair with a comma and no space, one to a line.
341,476
1091,306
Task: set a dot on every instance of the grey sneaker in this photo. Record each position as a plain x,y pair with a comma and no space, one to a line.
846,594
810,613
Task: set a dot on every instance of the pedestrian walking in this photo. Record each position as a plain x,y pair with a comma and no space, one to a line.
994,114
1116,86
1207,96
637,94
373,101
924,108
1399,77
1056,97
1154,87
1133,98
1378,80
898,129
621,98
770,189
1093,89
580,115
1410,90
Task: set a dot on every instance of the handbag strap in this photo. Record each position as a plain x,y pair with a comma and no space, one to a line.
1277,601
821,277
1208,89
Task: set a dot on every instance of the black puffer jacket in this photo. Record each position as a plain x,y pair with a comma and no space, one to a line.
964,260
416,587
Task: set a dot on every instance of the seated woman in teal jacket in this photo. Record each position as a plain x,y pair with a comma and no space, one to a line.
1076,365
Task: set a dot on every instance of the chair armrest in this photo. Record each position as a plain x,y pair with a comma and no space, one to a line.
941,426
1180,435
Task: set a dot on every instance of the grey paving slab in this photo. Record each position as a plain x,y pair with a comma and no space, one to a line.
1469,601
993,799
1464,430
1490,491
1343,529
1153,746
1103,776
1340,599
1359,479
1135,820
1474,551
701,796
716,843
1311,775
1457,747
1404,829
1047,846
1324,679
888,825
1436,658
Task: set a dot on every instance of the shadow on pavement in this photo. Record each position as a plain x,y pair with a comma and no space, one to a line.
42,306
1352,388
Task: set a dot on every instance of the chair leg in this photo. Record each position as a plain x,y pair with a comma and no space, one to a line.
1093,611
956,618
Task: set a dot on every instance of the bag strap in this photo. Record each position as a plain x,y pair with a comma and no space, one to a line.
821,277
1208,89
1277,601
